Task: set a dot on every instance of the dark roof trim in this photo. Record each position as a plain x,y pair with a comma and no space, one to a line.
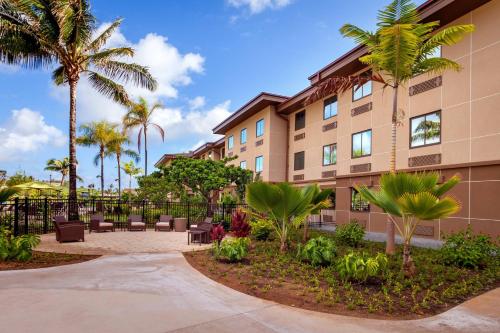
207,146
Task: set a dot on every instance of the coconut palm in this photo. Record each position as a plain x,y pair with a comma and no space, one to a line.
116,148
401,48
131,170
412,198
286,206
61,166
36,33
101,134
139,116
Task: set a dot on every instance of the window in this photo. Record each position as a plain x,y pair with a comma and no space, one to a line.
359,92
298,161
300,120
243,136
259,164
230,142
358,204
330,154
330,108
243,164
259,128
361,144
425,130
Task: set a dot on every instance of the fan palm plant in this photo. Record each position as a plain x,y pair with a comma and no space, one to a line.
286,206
116,148
139,116
401,48
412,198
131,170
36,33
61,166
101,134
320,198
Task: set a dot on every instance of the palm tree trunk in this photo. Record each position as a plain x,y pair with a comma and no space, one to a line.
146,150
284,234
305,236
73,206
102,172
119,177
408,264
62,179
390,230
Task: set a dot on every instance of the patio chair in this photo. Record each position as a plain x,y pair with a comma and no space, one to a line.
135,223
68,231
202,232
98,224
164,223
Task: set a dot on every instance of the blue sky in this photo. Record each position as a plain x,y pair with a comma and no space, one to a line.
210,57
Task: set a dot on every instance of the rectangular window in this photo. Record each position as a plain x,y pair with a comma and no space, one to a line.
243,164
259,128
425,130
361,144
230,142
330,108
359,92
259,164
243,136
298,161
358,204
330,154
300,120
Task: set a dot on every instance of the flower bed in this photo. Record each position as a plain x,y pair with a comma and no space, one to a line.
45,259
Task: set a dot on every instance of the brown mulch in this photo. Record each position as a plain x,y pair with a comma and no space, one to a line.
46,259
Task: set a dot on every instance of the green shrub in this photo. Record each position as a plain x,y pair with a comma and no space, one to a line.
17,248
359,267
350,234
318,251
464,249
261,229
234,249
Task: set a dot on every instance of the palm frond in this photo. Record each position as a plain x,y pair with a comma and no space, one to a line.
160,130
101,40
108,88
435,66
126,72
398,12
59,76
109,54
361,36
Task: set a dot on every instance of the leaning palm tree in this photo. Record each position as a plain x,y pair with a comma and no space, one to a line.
139,116
101,134
412,198
60,166
131,170
116,148
285,205
36,33
401,48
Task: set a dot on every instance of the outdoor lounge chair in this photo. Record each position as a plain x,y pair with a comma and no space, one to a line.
135,223
98,224
201,232
164,223
68,231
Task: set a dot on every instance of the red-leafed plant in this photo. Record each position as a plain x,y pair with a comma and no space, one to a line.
217,234
239,224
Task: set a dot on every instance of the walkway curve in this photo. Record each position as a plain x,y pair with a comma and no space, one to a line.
163,293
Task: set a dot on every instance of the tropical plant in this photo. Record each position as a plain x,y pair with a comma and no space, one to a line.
217,234
18,248
350,234
319,196
318,251
37,33
286,206
6,193
157,188
261,229
412,198
18,178
61,166
464,249
116,148
239,224
132,171
359,266
140,116
401,48
234,249
103,135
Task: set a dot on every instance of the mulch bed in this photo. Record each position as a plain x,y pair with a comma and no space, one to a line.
46,259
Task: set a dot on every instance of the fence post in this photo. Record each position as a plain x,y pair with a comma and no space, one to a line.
189,216
223,222
16,217
45,217
143,204
26,212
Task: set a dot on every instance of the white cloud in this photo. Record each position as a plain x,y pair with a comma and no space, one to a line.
257,6
197,103
26,131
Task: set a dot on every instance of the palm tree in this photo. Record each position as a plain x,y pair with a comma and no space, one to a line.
401,48
139,115
6,192
319,196
101,134
131,170
61,166
36,33
116,148
284,205
412,198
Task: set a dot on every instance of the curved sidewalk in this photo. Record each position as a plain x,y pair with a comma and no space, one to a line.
163,293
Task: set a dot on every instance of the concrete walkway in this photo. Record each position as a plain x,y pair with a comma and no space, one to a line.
163,293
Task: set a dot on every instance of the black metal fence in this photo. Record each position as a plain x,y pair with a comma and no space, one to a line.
35,216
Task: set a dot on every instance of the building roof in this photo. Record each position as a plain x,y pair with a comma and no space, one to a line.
208,146
167,157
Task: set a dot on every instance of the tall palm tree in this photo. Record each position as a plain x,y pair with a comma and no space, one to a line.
101,134
139,116
131,170
401,48
61,166
36,33
116,148
412,198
